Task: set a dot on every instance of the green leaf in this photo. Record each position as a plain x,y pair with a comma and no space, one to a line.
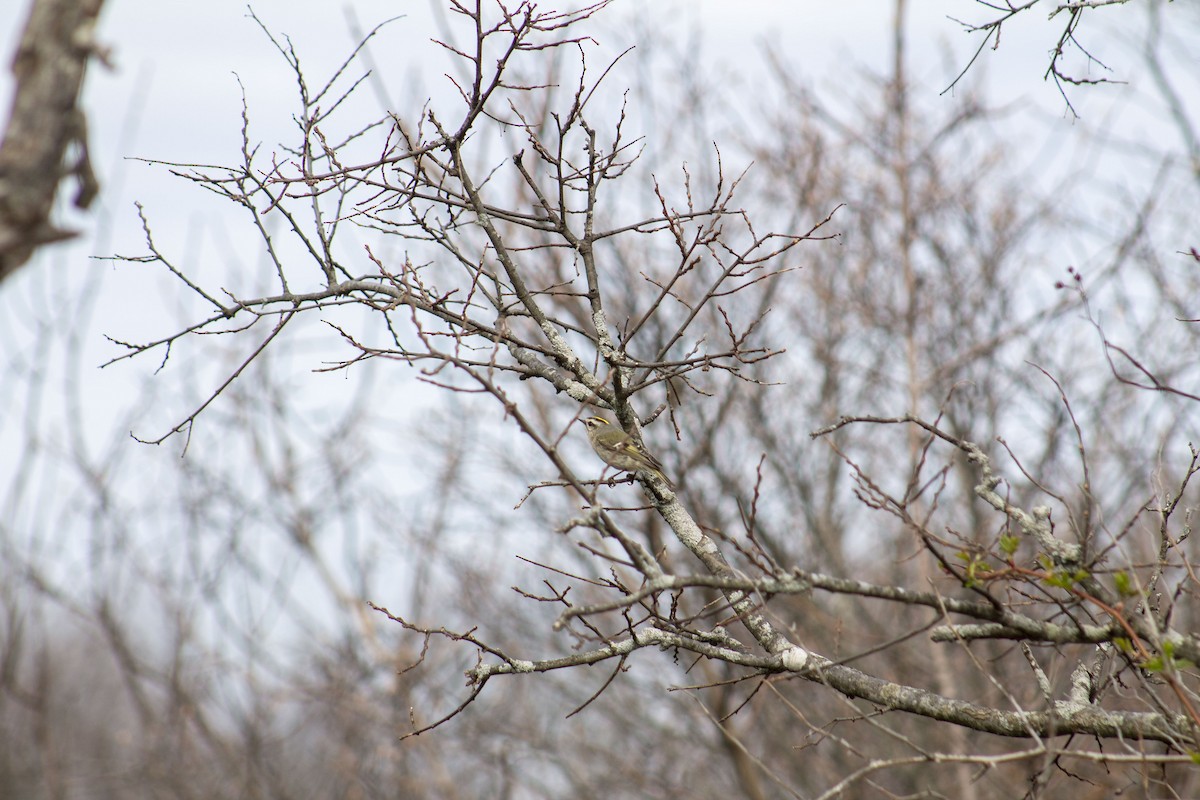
1060,579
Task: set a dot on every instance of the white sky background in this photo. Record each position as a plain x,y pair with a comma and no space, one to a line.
173,96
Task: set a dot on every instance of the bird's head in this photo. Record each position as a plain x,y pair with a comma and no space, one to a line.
595,423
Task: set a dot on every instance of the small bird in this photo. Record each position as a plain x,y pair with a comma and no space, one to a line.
618,449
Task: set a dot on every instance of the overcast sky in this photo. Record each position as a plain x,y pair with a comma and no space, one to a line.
173,95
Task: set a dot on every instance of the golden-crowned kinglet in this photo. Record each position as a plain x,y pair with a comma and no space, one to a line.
618,449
